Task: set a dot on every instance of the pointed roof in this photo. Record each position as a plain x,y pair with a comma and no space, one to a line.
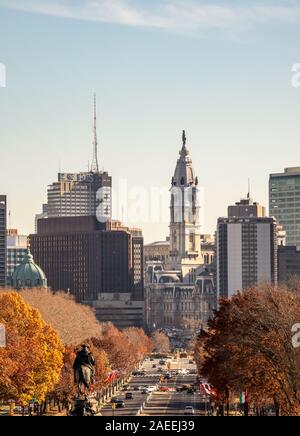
184,173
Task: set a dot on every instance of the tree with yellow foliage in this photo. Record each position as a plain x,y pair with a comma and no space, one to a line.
31,362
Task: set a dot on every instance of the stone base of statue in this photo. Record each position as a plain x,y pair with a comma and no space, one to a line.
84,406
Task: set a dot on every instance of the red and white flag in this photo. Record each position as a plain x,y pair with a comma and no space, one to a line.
207,389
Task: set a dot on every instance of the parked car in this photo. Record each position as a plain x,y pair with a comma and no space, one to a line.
120,404
189,410
129,396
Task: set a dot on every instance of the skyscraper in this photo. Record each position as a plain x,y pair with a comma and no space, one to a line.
246,249
284,202
87,258
81,194
3,207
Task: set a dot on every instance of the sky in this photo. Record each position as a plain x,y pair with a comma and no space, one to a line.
221,70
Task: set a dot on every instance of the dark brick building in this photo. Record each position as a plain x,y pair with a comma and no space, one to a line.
86,258
288,262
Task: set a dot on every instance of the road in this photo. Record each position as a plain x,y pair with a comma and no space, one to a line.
158,403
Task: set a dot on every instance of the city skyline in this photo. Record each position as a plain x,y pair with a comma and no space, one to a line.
231,91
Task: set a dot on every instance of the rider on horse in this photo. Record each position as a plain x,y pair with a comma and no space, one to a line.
84,364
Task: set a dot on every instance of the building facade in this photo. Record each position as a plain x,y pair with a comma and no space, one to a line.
284,202
120,309
3,221
80,256
160,251
81,194
246,251
288,263
16,251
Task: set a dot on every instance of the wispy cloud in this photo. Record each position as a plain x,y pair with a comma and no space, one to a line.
174,15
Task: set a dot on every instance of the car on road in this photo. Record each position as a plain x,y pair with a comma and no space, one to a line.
145,391
153,366
189,410
114,400
164,389
190,391
152,388
136,388
160,370
129,396
168,376
179,389
120,404
162,362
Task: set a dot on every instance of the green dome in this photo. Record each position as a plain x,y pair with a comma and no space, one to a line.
28,274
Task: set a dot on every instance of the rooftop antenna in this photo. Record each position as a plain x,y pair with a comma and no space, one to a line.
9,218
249,189
95,164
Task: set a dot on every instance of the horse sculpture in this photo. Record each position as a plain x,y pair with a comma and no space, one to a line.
84,369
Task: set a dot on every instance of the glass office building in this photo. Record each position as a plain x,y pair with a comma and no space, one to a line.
284,202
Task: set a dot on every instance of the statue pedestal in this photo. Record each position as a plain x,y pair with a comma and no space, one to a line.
84,406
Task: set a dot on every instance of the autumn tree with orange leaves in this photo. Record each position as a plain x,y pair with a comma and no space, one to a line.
73,321
31,361
249,348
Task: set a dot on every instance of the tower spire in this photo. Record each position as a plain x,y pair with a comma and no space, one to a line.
95,164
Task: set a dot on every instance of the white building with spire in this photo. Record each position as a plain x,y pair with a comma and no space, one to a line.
181,292
185,235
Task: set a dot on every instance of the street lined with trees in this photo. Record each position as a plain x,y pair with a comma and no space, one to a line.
43,333
249,349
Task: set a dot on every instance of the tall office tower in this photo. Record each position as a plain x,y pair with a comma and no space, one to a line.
16,251
284,202
82,194
82,256
288,263
185,238
246,208
246,251
3,207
